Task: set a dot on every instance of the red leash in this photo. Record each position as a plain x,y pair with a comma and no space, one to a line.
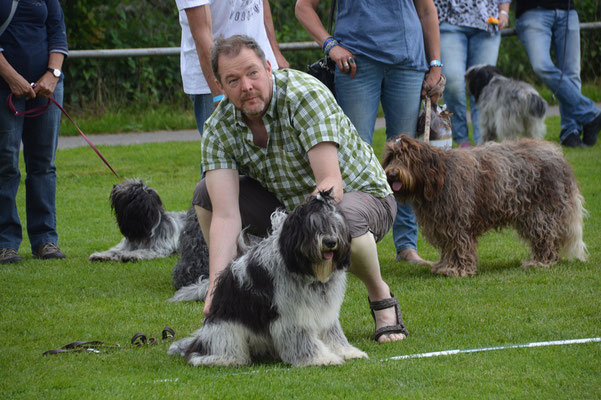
37,111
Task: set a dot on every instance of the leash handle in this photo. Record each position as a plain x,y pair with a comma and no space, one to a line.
37,111
428,110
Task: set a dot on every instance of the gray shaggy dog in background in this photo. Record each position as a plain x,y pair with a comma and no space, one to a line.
460,194
281,299
151,232
509,109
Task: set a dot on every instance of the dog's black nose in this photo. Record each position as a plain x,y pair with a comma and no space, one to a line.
329,243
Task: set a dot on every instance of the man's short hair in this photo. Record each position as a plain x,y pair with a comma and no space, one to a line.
231,47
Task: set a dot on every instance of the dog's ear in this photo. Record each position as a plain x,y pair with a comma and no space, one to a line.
292,237
426,165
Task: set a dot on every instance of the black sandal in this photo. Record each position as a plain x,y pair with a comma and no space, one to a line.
382,305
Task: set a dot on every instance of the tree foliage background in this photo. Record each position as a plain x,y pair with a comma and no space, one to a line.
93,85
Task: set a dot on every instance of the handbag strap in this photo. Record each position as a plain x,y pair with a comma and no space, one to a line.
13,8
332,15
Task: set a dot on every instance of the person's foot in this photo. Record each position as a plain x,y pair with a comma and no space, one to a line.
9,256
573,140
410,255
388,319
590,131
47,251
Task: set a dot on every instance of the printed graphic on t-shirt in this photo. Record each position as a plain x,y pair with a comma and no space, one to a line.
245,10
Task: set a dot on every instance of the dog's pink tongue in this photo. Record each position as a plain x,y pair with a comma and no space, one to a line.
396,186
328,255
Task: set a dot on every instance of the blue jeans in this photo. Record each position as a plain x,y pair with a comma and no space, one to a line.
40,137
462,47
540,28
399,91
203,108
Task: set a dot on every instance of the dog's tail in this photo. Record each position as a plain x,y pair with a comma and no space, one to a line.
574,246
194,292
537,106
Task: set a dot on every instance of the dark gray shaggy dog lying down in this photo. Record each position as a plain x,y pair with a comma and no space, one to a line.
281,299
152,232
460,194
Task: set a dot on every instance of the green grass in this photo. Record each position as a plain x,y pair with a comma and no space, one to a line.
46,304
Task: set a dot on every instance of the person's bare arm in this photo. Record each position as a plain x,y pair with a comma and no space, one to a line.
426,10
47,83
268,21
17,84
323,158
201,27
223,186
305,11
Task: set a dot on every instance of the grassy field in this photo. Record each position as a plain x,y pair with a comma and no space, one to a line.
46,304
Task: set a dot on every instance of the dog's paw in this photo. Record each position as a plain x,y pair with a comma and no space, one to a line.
328,358
100,257
129,258
442,269
526,264
351,352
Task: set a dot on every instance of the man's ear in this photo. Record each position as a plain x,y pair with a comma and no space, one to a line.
218,84
268,67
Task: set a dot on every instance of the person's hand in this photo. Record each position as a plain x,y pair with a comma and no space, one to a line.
21,88
208,298
344,59
503,21
281,60
45,85
431,86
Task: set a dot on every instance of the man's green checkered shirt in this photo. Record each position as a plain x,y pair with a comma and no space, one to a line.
301,114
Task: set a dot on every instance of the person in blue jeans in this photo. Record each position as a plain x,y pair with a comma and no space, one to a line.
383,54
32,50
467,38
541,24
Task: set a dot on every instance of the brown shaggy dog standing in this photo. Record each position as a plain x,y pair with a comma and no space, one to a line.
460,194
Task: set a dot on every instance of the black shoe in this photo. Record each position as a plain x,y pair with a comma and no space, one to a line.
47,251
590,131
573,140
9,256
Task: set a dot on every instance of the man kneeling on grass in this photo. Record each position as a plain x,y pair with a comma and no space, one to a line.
278,137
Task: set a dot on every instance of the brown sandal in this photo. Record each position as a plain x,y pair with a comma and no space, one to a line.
382,305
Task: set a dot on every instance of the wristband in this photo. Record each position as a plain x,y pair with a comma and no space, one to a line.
332,43
218,98
505,13
435,63
325,42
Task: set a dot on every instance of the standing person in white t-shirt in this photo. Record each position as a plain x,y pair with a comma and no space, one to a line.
203,20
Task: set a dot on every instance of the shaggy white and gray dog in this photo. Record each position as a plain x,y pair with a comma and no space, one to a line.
281,299
460,194
509,109
151,232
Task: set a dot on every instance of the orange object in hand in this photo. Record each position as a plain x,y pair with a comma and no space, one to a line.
493,21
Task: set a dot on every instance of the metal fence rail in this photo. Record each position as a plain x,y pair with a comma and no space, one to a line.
174,51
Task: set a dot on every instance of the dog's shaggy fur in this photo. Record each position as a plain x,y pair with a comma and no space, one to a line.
509,109
459,194
281,299
151,232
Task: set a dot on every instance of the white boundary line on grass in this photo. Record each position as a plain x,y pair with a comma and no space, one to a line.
513,346
426,355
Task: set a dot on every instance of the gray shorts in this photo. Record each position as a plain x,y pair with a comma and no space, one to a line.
364,212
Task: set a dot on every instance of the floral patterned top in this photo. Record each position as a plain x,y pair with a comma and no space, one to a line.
471,13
